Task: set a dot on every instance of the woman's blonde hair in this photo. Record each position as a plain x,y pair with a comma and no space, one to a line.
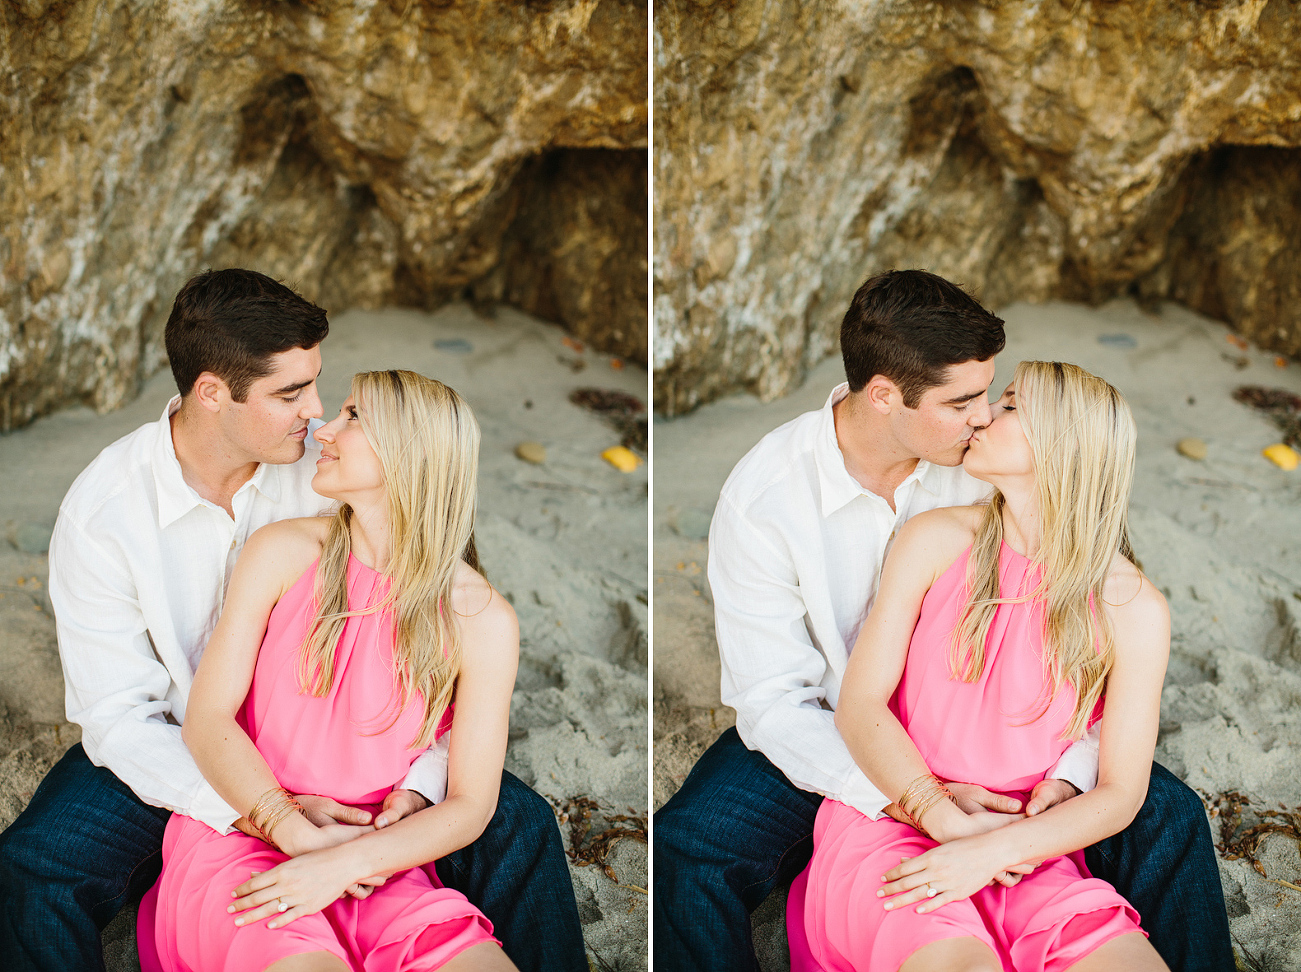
427,442
1082,437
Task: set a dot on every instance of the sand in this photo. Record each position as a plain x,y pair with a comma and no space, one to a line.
565,541
1221,537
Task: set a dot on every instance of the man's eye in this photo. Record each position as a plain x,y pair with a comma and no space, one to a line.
294,398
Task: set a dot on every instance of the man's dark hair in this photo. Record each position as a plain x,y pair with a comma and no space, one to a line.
911,326
230,322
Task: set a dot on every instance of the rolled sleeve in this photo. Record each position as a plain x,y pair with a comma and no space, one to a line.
1079,764
771,670
116,688
428,775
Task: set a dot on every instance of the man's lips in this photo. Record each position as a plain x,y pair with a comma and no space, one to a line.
300,435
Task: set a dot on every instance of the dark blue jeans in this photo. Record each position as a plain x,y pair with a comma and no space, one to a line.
738,828
86,845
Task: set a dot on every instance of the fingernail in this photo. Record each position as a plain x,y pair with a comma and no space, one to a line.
230,910
234,895
239,921
271,924
880,894
889,905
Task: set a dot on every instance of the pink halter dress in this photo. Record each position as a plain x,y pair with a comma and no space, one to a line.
333,746
982,732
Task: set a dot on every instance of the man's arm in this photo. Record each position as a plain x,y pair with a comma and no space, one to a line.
771,669
115,686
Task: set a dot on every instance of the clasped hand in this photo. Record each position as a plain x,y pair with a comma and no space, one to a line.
311,879
962,865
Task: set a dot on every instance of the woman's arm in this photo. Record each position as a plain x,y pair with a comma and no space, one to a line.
490,656
272,559
925,547
1130,717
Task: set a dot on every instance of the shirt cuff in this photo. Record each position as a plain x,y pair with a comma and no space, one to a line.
860,794
1078,765
428,774
209,808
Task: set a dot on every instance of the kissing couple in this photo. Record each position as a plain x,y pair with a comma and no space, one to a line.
292,678
946,664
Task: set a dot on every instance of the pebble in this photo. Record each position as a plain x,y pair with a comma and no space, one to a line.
1192,448
1282,456
534,452
33,538
692,524
454,345
621,458
1124,341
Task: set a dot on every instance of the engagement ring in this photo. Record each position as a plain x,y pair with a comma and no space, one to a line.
280,905
930,891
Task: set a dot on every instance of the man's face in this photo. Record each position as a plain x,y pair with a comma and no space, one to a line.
937,430
270,425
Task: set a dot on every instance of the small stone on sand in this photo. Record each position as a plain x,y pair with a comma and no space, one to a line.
622,459
33,538
1192,448
1282,456
534,452
692,524
453,345
1122,341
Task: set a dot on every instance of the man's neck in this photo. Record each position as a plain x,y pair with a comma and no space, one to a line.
873,457
207,463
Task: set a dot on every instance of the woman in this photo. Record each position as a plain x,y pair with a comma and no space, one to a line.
995,631
342,644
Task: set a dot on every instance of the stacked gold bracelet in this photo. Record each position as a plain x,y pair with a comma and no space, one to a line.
273,807
921,795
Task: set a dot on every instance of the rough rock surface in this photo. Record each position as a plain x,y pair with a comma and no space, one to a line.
1029,150
395,151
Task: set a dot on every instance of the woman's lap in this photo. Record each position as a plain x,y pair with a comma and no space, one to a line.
1050,920
408,924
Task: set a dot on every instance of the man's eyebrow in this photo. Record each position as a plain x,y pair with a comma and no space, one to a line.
288,389
963,399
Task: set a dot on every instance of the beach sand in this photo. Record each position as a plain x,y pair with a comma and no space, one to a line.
565,541
1221,537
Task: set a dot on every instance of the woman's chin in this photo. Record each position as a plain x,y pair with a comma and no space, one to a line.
320,486
974,468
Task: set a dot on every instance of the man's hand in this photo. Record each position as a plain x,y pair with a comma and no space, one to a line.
323,811
399,804
973,798
1049,793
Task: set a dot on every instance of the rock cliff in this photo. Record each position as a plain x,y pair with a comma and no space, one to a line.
395,151
1029,150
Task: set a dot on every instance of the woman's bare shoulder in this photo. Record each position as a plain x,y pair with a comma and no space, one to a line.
929,542
1138,610
284,549
487,619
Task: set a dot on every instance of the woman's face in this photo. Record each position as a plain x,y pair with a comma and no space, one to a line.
348,467
1000,450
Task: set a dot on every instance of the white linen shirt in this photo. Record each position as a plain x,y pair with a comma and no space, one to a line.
795,554
139,564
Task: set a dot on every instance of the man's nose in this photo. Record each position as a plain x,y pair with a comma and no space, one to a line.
981,416
312,407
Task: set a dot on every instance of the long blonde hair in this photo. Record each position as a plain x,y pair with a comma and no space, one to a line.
427,442
1082,437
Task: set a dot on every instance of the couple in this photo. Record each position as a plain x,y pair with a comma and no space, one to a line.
943,693
347,722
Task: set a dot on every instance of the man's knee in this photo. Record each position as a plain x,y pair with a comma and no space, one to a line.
1173,804
524,811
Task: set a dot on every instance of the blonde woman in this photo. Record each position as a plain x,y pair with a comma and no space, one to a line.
1000,633
346,646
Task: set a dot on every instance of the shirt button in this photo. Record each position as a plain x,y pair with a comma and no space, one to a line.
232,545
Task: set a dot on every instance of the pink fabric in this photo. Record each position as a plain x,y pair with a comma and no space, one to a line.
999,731
347,745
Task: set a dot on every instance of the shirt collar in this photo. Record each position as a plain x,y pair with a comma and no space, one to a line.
176,497
837,487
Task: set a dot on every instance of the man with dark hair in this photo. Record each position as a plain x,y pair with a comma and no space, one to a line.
142,551
796,546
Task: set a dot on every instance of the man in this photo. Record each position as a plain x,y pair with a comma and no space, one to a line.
142,551
798,539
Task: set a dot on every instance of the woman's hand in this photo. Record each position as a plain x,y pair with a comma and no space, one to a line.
950,872
300,886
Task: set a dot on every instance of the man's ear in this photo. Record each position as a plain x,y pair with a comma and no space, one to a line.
211,392
882,394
